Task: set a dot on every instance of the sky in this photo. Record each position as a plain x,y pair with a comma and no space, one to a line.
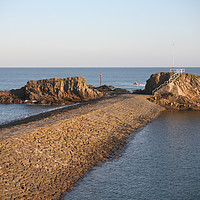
99,32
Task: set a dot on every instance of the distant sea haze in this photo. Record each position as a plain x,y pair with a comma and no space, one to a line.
14,78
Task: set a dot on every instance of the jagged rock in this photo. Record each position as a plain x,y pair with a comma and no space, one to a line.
51,91
182,94
155,80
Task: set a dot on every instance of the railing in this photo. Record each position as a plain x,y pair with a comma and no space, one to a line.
178,71
172,78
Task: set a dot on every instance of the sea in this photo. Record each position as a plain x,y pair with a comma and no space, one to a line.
14,78
161,160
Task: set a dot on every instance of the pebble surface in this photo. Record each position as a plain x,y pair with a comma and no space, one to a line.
43,159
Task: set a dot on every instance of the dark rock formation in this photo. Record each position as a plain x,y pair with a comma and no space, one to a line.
12,96
181,94
110,88
120,90
139,91
51,91
105,88
155,80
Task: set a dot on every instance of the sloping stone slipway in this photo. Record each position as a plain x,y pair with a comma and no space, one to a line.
42,159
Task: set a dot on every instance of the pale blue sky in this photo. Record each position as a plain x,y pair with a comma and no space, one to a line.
99,32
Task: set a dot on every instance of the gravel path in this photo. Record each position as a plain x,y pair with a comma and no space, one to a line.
44,156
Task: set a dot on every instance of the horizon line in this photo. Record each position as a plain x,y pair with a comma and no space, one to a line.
90,66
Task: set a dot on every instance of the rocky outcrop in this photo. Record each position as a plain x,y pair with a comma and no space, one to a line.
51,91
13,96
110,88
105,88
182,94
156,80
120,90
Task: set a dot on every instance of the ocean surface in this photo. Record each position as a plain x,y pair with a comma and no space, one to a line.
14,78
160,162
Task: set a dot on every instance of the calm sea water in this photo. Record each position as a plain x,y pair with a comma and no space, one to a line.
13,78
161,162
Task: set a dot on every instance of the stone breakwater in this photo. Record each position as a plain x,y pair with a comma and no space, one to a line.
44,161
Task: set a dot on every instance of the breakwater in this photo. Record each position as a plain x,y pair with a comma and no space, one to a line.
44,158
160,162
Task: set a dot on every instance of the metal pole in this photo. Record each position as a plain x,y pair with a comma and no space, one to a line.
100,78
173,60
